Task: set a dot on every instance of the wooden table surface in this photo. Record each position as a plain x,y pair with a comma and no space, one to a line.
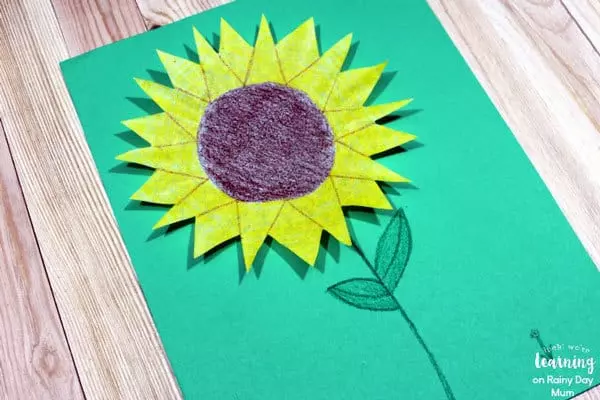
73,321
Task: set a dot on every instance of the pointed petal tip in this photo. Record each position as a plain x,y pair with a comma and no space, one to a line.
342,45
224,24
387,175
159,224
410,137
394,106
403,137
250,255
122,157
313,261
264,26
163,56
197,252
139,196
134,197
144,83
347,241
384,206
198,38
399,179
400,103
344,237
310,22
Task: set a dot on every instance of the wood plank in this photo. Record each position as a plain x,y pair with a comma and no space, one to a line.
565,49
592,394
35,361
113,341
491,65
542,109
89,24
161,12
587,15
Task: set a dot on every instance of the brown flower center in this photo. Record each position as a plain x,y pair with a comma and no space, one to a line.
265,142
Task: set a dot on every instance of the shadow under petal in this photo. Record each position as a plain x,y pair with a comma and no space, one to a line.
383,82
145,104
131,138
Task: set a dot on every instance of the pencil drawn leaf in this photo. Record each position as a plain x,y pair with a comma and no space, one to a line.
364,293
393,250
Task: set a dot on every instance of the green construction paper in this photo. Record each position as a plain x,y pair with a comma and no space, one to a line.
492,256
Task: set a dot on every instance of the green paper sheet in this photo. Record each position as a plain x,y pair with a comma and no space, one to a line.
496,272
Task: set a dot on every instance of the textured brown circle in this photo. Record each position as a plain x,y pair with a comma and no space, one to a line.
265,142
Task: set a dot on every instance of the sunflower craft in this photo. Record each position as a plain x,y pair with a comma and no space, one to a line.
271,140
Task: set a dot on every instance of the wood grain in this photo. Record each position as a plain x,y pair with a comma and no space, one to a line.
161,12
113,341
565,49
539,66
87,24
586,13
592,394
537,97
35,361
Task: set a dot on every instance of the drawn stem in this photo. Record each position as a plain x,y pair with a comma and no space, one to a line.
411,326
430,355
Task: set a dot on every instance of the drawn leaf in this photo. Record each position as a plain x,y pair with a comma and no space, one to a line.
393,250
363,293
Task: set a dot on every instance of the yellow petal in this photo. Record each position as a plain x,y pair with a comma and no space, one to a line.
298,233
350,164
234,50
348,121
205,198
180,158
317,80
183,107
184,74
323,207
360,192
298,50
353,87
159,130
219,77
264,66
166,187
256,220
376,138
215,227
